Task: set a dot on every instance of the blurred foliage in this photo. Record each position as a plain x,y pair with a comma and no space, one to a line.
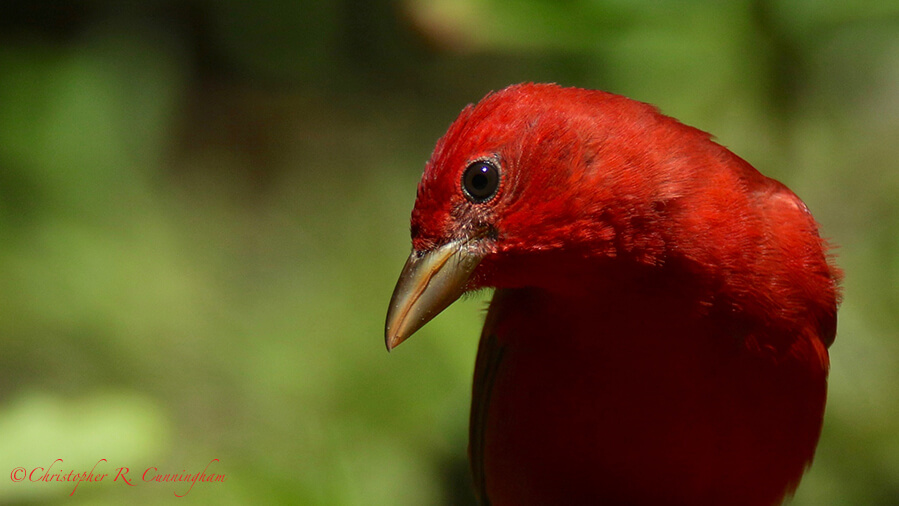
204,207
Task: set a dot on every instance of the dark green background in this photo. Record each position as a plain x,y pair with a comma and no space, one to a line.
204,207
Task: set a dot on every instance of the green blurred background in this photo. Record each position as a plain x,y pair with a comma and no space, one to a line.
204,207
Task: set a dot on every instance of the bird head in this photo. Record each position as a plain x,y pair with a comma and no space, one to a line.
533,174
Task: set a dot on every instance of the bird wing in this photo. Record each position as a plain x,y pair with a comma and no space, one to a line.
490,354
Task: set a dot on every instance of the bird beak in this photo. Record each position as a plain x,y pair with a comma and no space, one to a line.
430,282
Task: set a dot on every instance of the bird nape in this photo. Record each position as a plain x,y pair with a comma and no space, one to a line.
662,313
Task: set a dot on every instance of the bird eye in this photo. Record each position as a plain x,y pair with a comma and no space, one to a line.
480,181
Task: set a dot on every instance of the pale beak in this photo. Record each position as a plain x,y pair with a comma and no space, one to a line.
430,282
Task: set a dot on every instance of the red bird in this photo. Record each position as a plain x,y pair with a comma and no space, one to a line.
659,330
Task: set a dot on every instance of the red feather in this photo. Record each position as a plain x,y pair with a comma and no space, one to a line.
659,334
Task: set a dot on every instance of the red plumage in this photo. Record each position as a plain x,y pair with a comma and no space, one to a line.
660,328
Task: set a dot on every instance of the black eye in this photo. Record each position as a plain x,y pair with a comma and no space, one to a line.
480,181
